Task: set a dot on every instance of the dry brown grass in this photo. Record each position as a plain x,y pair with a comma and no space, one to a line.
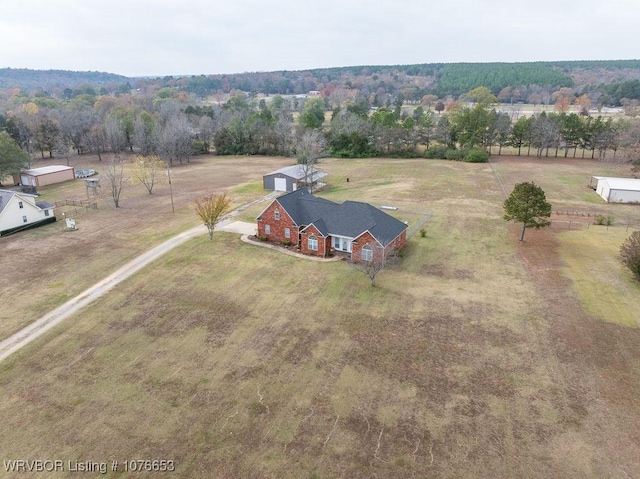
44,267
472,360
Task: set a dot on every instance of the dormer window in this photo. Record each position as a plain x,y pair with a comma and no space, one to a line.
276,215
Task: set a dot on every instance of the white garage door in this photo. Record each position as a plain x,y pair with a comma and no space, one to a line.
280,184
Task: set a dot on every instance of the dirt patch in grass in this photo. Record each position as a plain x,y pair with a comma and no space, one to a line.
439,349
176,312
445,271
303,343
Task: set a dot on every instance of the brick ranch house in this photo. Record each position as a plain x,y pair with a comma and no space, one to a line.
319,227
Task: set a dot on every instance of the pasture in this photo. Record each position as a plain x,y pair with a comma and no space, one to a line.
477,357
46,266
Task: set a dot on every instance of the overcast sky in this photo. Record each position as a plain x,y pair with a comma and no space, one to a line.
177,37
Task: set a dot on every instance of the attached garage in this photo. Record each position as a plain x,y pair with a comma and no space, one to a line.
47,175
618,190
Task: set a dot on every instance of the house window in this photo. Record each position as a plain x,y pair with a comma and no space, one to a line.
267,229
312,242
20,205
287,233
367,253
336,242
46,212
276,215
24,219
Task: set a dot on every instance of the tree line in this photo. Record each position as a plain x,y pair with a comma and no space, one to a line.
347,124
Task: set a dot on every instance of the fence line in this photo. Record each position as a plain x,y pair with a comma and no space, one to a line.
573,224
497,178
423,221
71,202
80,206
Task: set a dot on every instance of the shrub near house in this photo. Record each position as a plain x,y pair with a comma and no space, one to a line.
318,226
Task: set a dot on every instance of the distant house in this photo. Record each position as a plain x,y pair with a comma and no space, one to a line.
46,175
319,227
20,211
290,178
617,190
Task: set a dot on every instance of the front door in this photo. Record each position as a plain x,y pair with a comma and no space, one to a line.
342,244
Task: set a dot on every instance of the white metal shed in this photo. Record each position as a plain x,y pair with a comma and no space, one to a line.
619,190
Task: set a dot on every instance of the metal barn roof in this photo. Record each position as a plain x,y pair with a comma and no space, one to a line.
45,170
628,184
297,172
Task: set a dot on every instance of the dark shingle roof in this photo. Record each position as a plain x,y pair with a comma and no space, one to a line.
354,218
350,219
304,208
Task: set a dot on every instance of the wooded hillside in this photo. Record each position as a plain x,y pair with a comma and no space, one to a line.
31,79
615,79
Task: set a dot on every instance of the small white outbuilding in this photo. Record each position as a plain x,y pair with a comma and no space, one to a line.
618,190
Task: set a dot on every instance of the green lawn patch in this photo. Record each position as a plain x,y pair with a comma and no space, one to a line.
604,286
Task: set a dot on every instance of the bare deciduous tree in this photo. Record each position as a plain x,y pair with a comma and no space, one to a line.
114,134
346,123
375,258
309,149
117,177
174,139
210,209
544,134
62,148
282,132
97,139
148,170
75,124
207,128
143,133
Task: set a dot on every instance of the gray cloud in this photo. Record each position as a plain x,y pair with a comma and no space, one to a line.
162,37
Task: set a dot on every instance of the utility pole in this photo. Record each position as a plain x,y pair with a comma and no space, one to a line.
170,187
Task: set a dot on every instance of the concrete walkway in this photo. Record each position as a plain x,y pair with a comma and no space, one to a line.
280,249
241,227
250,229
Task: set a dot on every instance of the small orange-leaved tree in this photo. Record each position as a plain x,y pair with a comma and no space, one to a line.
210,209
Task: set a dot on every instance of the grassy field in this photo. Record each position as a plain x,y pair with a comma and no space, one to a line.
605,287
474,358
46,266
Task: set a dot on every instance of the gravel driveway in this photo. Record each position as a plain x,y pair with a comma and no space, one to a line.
49,320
